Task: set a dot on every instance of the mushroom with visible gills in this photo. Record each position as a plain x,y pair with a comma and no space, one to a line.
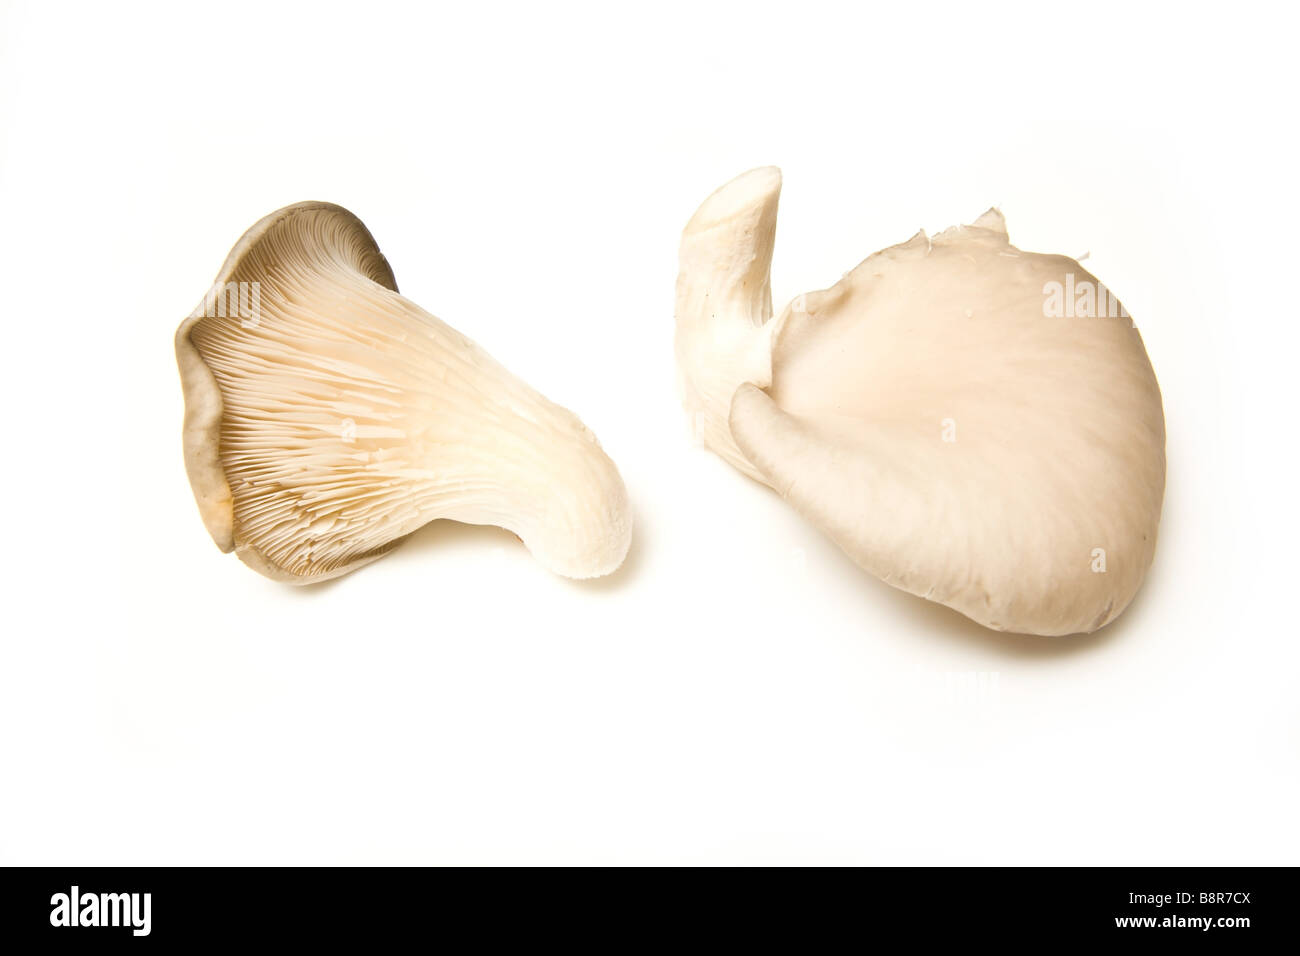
327,417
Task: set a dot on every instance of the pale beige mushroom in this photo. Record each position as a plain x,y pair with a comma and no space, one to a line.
955,413
327,417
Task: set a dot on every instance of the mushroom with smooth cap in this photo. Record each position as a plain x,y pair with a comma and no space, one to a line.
932,413
327,417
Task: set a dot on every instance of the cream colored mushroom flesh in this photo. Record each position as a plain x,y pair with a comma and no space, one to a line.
969,422
327,417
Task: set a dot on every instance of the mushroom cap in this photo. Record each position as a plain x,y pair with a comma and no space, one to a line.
203,401
959,444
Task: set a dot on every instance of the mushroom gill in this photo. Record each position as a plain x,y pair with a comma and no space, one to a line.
950,413
327,417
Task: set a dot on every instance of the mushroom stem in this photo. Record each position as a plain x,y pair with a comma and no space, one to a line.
724,302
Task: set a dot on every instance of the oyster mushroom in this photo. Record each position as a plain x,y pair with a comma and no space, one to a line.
327,417
955,413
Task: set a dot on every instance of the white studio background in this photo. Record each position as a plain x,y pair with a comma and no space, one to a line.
739,692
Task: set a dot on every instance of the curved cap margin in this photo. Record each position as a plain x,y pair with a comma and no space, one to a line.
203,403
